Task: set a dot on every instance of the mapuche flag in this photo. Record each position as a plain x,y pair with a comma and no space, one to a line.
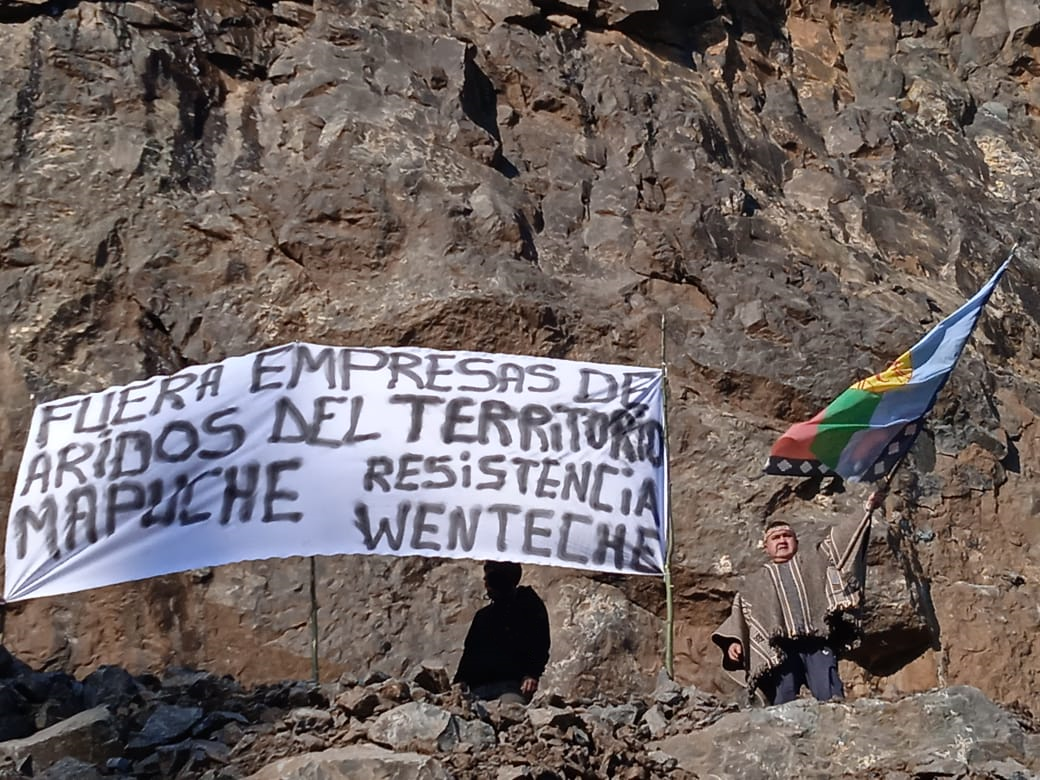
867,429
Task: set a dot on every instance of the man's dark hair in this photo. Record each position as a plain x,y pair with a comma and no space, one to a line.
775,522
502,575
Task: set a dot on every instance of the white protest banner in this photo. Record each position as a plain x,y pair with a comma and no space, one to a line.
313,450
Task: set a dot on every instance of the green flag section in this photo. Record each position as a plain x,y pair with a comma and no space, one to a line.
848,413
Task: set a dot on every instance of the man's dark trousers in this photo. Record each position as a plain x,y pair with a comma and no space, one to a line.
808,662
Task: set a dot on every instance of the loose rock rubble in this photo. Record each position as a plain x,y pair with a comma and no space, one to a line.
191,724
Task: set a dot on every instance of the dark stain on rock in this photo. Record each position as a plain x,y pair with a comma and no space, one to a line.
236,271
167,600
153,71
160,354
25,101
714,143
111,247
199,91
528,248
252,150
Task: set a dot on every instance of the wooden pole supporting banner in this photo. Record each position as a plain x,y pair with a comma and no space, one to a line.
314,623
669,640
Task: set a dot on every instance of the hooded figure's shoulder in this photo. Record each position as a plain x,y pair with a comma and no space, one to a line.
526,596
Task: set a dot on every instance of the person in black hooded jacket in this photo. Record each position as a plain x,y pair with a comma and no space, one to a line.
507,646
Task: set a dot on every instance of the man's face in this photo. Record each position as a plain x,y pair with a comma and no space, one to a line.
491,592
781,544
493,586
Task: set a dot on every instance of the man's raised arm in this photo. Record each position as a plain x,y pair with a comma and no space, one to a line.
847,539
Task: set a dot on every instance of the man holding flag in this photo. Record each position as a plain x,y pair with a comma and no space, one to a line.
790,620
784,627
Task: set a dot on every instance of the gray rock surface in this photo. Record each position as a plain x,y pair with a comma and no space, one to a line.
89,736
357,762
424,727
954,732
167,723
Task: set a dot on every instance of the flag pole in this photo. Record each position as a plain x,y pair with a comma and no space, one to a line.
314,623
881,491
877,498
669,641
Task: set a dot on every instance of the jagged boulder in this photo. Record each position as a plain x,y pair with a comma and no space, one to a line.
426,728
953,732
358,761
90,737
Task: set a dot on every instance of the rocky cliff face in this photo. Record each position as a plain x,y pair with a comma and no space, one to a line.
796,191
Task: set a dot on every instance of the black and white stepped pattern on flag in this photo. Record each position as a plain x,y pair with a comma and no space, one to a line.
890,456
